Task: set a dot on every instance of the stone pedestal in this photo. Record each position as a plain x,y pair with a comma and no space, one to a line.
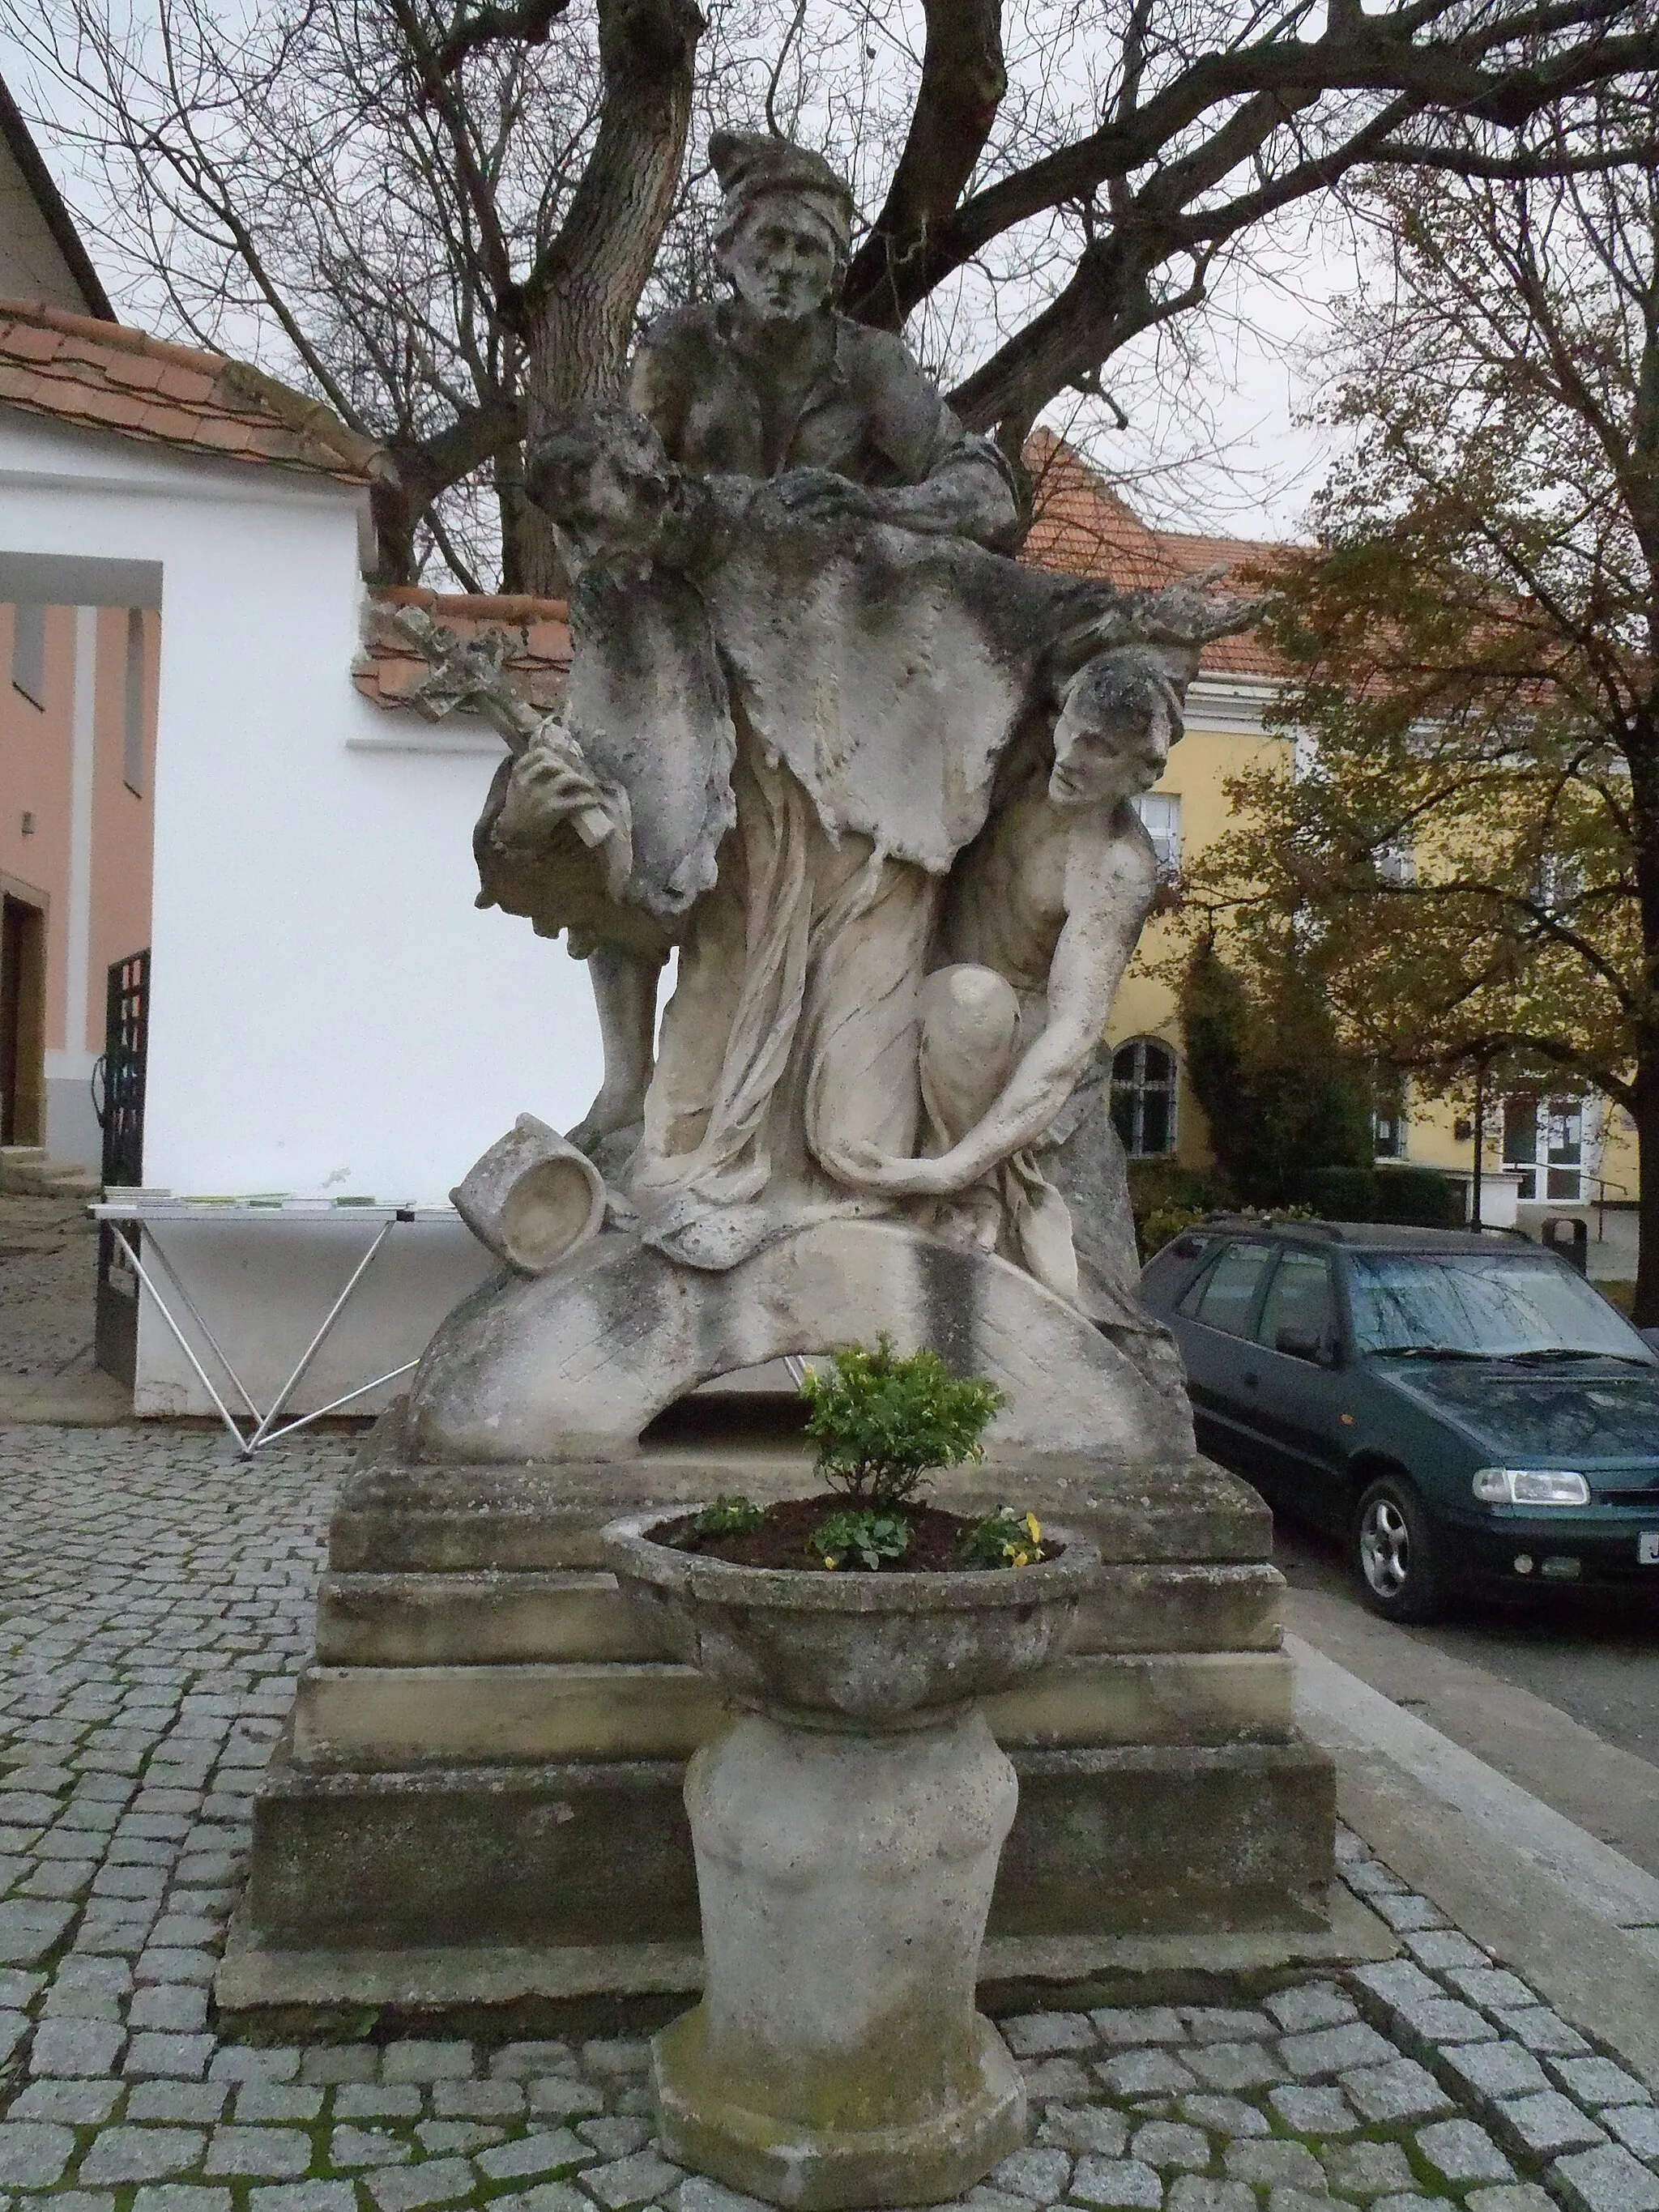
837,2058
479,1794
847,1827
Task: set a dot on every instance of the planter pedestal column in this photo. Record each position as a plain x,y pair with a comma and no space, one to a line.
836,2058
846,1832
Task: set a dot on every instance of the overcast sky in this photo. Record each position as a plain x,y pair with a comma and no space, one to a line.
1215,441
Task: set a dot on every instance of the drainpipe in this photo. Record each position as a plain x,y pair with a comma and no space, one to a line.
1480,1143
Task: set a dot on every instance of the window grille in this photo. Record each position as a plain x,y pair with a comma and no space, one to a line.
1144,1098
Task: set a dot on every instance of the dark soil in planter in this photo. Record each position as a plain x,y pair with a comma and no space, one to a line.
781,1539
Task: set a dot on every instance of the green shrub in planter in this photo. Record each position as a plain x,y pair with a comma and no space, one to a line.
883,1421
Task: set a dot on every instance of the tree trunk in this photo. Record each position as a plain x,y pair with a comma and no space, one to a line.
581,304
1645,1310
1642,752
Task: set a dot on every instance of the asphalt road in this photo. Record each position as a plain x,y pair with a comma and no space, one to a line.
1562,1697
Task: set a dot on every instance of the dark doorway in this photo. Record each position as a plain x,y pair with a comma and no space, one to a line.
23,1022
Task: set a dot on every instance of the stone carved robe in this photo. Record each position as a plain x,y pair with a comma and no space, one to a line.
873,680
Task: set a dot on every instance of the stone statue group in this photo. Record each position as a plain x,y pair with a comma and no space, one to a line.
866,775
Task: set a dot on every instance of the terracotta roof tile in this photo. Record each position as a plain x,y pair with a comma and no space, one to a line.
35,345
1082,528
538,633
76,370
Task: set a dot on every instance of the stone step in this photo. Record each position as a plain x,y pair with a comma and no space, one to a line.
27,1171
1131,1839
369,1717
397,1519
490,1618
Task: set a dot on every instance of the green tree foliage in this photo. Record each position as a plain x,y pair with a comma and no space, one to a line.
1281,1099
1467,851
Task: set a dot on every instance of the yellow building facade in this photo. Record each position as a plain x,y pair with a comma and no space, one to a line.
1544,1157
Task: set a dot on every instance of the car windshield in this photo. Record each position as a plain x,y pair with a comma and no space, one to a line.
1497,1306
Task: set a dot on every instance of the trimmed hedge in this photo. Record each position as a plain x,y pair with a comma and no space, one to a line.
1416,1198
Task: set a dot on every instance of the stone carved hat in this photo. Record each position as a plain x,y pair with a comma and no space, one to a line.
751,164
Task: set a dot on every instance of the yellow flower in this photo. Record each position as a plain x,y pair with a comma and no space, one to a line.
830,1564
1031,1522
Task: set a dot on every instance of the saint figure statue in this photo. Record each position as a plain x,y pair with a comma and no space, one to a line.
868,774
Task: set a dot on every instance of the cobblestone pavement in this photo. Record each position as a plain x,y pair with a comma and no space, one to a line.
154,1607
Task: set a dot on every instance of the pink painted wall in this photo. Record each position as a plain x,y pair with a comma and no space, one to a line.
121,842
35,779
35,757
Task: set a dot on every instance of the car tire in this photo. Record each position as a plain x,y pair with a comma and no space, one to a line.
1395,1551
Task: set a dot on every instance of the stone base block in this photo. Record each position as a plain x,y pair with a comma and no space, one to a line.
826,2169
372,1717
1121,1839
397,1518
526,1618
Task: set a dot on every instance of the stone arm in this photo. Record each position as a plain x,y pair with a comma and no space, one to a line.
1111,876
950,483
968,494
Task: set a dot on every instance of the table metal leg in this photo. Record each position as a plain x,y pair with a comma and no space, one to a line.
263,1431
183,1341
190,1306
335,1404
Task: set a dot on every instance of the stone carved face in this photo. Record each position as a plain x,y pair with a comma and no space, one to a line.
603,476
1119,717
782,257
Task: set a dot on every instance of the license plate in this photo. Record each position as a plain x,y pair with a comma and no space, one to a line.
1647,1548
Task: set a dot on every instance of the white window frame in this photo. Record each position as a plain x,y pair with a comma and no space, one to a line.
1160,815
1560,1124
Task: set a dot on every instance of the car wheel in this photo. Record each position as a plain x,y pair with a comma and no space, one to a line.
1396,1553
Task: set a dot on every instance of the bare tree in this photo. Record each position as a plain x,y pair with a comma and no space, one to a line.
1470,859
449,209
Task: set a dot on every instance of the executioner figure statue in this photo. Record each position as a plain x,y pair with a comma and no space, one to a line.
867,773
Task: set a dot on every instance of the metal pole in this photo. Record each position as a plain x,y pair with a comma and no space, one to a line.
335,1404
311,1350
189,1303
1476,1221
184,1346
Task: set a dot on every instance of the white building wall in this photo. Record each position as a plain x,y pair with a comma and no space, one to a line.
331,1013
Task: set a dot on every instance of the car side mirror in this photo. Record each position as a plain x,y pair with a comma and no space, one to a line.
1300,1344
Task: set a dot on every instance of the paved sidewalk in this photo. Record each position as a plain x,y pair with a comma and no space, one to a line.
154,1607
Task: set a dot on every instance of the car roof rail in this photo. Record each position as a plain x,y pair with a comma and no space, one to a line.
1220,1218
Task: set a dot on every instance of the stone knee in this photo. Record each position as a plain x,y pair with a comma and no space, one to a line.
970,1018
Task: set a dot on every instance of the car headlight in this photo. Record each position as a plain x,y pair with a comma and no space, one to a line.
1530,1486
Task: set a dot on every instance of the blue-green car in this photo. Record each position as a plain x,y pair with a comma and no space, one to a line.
1464,1409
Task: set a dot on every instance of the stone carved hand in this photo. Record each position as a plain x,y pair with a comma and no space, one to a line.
551,783
874,1170
821,495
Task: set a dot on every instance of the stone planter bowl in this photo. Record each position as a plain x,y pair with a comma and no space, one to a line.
850,1651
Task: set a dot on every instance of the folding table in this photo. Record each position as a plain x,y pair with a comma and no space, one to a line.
123,1211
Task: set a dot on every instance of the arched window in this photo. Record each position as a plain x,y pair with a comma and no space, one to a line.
1144,1098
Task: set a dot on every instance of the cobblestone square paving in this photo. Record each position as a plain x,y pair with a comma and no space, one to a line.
155,1602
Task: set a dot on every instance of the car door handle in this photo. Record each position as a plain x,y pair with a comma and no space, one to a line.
1249,1380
